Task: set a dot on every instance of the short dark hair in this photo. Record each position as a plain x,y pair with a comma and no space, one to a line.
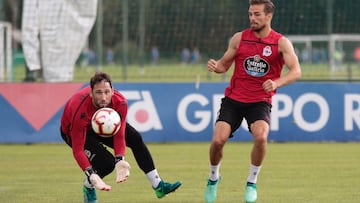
269,5
99,77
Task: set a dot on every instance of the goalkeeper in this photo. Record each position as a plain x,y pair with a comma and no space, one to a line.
89,149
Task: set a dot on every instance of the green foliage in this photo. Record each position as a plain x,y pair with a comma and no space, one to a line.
292,172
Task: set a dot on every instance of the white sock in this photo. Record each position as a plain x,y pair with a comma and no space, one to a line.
154,178
253,173
214,172
87,184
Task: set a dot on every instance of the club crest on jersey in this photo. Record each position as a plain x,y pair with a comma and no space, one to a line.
256,66
267,51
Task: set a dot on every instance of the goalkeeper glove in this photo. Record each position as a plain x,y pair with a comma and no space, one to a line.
122,169
95,180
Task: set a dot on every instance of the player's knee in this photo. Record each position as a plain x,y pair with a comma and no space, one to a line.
218,142
260,140
260,134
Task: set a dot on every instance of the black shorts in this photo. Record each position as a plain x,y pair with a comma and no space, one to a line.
233,112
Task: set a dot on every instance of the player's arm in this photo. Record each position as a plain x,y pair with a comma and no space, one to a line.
291,61
78,136
225,62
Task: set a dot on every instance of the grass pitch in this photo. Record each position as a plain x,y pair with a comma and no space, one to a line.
292,172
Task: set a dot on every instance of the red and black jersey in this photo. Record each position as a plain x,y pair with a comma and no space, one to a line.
76,122
257,60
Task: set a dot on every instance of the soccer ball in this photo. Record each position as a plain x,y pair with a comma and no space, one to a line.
106,122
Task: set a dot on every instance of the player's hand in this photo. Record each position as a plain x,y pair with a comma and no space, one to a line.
98,183
122,171
211,65
269,85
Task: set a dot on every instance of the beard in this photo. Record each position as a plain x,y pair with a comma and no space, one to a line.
257,28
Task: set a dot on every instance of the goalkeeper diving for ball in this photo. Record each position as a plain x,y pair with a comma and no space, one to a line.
89,149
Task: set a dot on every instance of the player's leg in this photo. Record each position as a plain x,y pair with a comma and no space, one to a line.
228,121
260,131
220,136
141,153
258,120
145,161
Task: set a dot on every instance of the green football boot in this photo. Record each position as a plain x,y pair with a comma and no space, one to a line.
89,195
211,191
165,188
250,193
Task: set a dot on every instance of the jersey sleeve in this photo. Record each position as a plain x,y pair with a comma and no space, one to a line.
119,138
74,124
78,134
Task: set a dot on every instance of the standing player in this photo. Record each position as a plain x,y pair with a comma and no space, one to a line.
89,149
259,54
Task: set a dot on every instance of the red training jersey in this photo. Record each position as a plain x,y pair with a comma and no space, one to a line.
257,60
76,122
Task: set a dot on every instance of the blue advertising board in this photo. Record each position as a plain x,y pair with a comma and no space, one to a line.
186,112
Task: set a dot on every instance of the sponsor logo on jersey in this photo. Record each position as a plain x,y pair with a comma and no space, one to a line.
256,66
267,51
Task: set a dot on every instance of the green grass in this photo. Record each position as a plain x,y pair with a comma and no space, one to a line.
292,172
149,73
175,72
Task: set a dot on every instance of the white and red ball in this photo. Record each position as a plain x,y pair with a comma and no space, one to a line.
106,122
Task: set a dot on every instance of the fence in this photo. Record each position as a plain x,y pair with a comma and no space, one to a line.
5,52
163,40
330,57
